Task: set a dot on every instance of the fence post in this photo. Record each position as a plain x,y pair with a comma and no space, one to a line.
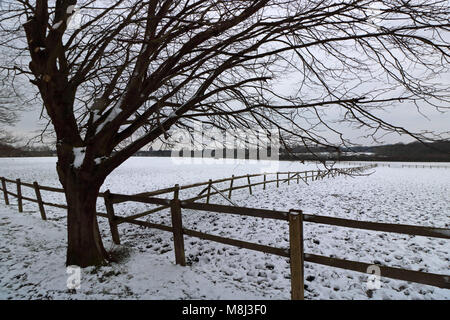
264,186
278,180
249,184
39,200
298,177
306,176
209,191
177,228
5,192
112,219
19,195
231,186
296,254
289,178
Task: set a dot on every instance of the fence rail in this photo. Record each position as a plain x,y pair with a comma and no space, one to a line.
393,164
295,219
312,175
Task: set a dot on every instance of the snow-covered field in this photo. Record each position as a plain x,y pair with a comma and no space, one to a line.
33,251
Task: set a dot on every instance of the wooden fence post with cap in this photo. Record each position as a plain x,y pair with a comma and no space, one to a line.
112,219
177,227
39,200
296,254
5,192
19,195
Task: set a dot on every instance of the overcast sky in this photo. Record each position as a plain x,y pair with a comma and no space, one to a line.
403,115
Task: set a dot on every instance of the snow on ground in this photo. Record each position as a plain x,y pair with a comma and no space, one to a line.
32,266
32,260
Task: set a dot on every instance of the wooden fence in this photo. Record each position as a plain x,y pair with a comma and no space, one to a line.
295,218
398,165
311,175
295,252
417,166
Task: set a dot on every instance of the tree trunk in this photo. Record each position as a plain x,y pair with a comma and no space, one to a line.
85,247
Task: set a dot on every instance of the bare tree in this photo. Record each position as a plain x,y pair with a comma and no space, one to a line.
133,70
9,108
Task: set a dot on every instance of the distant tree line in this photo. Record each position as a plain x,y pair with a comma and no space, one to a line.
416,151
8,150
